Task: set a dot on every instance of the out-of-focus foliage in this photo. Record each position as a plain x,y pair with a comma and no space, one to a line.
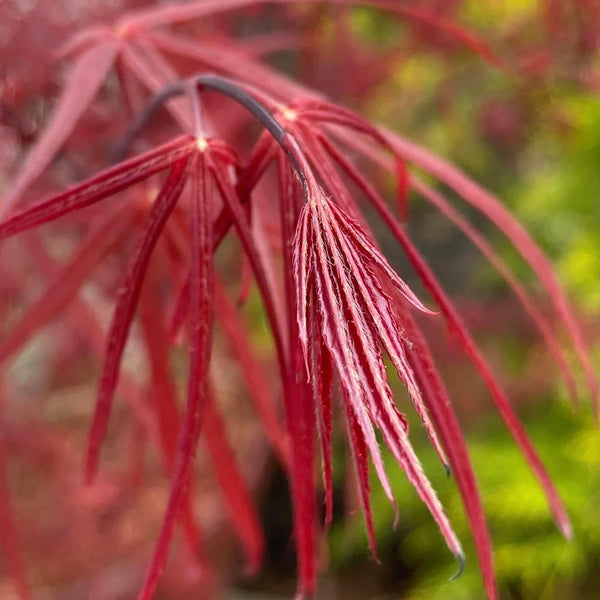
532,139
533,560
559,197
535,141
530,132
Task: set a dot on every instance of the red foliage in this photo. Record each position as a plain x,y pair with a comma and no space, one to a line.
334,305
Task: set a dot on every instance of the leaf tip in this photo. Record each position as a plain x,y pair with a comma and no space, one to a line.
462,561
90,468
566,530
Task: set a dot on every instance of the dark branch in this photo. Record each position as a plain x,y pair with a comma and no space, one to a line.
223,86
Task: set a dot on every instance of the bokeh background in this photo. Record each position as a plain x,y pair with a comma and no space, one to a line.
528,129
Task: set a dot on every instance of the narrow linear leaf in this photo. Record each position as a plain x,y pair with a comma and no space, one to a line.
359,449
378,305
106,183
440,408
164,396
124,310
201,327
493,210
322,381
192,10
528,303
66,283
403,187
340,347
255,376
471,349
383,411
297,396
83,82
235,490
9,538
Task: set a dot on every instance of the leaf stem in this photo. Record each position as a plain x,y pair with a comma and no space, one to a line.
229,88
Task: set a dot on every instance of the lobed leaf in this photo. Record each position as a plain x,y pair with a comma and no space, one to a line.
336,337
378,305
